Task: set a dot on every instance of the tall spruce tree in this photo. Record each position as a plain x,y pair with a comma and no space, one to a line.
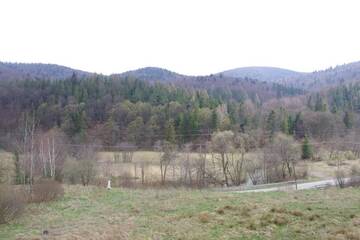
299,127
306,149
214,120
271,124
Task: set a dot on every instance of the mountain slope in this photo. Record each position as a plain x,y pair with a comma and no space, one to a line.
18,71
268,74
221,86
318,80
153,74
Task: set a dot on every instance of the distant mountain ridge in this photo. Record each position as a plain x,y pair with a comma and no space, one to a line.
333,76
342,74
19,71
267,74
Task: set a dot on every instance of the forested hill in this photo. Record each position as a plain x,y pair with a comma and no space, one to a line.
122,108
153,74
314,81
268,74
20,71
331,77
219,86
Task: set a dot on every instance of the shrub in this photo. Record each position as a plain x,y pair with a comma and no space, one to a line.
340,178
47,190
220,211
280,220
127,180
204,217
297,213
349,155
70,170
354,177
11,204
321,154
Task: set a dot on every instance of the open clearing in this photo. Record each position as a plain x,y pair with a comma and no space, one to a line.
316,170
95,213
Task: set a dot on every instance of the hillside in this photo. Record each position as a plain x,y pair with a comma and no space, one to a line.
152,74
221,86
318,80
19,71
314,81
268,74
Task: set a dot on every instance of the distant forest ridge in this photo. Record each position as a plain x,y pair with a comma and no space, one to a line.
152,104
346,73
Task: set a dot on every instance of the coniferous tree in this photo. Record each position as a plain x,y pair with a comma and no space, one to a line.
348,120
306,149
320,105
284,121
290,125
271,124
299,127
214,120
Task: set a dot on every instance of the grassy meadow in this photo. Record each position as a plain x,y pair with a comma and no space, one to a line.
316,170
96,213
108,165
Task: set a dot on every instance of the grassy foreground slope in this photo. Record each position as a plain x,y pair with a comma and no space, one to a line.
95,213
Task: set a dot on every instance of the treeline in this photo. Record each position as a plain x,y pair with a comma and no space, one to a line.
114,110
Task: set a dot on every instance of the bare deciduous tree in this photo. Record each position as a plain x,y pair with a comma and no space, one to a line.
168,154
222,144
280,159
86,165
243,143
52,154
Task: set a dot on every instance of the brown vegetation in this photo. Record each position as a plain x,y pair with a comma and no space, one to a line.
11,204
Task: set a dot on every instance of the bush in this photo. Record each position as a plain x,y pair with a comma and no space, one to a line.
204,217
11,204
71,173
354,177
321,155
340,178
349,155
47,190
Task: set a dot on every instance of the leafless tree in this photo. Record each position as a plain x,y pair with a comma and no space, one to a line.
255,171
243,143
280,159
186,165
222,145
168,155
86,164
52,154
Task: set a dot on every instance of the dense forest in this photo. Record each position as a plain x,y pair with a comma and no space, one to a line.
127,108
119,109
255,130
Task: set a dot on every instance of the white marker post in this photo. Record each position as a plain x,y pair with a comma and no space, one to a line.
109,185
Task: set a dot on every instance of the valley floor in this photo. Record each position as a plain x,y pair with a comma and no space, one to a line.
96,213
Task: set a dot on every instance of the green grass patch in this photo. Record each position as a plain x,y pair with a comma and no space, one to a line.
96,213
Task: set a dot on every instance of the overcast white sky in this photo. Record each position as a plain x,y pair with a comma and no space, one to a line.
186,36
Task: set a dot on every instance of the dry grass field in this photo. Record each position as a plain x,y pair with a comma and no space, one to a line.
149,160
315,169
7,165
96,213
